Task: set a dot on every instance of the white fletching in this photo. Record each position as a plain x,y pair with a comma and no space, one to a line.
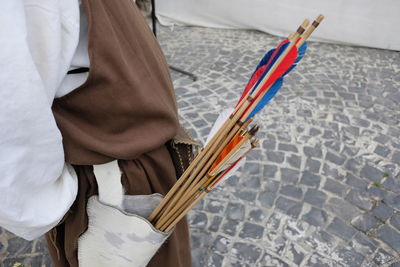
223,116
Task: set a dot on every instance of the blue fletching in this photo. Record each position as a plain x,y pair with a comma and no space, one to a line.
280,51
278,84
265,59
301,51
268,96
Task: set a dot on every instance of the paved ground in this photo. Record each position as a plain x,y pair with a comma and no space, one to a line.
323,189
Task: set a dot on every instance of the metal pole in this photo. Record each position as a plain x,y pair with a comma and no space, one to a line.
154,24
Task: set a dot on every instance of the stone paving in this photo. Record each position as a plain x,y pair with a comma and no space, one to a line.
323,188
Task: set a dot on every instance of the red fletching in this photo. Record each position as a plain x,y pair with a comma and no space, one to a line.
258,73
285,64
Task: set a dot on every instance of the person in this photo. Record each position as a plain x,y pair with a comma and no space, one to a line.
83,83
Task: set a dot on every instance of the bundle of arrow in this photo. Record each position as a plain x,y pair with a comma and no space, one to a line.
233,140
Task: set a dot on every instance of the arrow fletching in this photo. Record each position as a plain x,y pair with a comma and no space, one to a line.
246,146
225,174
278,83
266,62
228,148
267,97
301,51
231,170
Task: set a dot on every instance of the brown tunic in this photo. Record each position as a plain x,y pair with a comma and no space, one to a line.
125,110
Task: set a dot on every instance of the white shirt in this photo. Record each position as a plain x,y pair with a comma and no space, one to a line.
40,41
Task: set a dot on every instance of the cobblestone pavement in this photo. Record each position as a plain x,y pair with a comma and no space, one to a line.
323,187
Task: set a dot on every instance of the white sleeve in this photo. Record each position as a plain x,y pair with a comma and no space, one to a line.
36,186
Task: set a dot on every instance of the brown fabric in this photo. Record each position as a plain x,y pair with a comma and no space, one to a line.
127,106
126,110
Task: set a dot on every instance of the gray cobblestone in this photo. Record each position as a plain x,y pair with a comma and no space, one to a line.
288,206
287,147
216,260
199,220
269,142
382,150
251,230
317,260
232,181
314,132
267,199
215,223
235,211
310,179
332,171
392,184
376,193
271,186
274,156
313,151
333,145
355,182
338,160
295,230
392,200
360,199
221,244
269,260
364,222
246,252
381,138
372,173
246,195
257,215
395,220
252,182
321,241
269,171
382,211
396,157
382,257
276,242
291,191
215,206
294,161
328,134
295,254
289,175
316,217
390,236
341,229
364,244
347,257
335,187
313,165
341,118
230,227
335,205
315,197
274,221
353,165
